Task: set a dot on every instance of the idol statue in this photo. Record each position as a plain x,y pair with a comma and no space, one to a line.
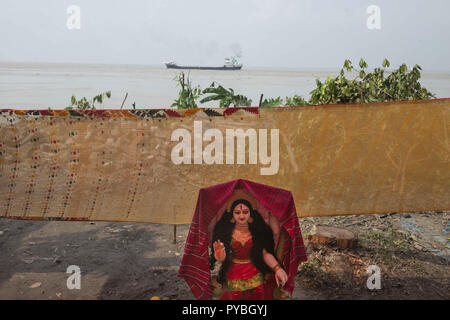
244,243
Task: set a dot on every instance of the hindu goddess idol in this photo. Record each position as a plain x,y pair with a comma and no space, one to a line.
244,242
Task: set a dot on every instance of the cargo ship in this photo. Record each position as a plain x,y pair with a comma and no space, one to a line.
229,64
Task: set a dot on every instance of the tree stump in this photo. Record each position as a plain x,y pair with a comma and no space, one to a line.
326,235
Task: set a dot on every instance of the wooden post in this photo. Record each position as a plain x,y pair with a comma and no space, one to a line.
260,100
124,100
174,233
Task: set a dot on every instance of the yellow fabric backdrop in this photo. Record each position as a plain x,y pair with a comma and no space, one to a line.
116,165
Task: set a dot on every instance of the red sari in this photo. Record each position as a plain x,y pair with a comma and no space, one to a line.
244,280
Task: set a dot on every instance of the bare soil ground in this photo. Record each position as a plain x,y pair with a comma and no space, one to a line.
412,251
139,260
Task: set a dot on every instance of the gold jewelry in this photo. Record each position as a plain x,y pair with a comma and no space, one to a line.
241,261
241,236
233,220
250,220
276,267
243,285
245,231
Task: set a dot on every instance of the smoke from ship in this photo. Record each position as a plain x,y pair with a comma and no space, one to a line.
236,49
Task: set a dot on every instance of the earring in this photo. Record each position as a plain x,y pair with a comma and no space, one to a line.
232,220
250,220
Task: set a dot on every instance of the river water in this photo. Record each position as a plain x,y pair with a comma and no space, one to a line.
37,86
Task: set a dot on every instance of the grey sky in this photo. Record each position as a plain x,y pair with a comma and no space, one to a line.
270,33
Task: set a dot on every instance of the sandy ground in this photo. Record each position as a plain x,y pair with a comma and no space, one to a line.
117,260
139,260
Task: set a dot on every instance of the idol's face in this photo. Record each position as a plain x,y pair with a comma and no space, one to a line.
241,213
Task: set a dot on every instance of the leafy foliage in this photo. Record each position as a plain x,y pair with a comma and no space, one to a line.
225,97
85,104
296,100
187,95
379,85
272,102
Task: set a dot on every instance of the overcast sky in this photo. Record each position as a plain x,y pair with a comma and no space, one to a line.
268,33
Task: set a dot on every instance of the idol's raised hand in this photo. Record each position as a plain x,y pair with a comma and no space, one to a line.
219,251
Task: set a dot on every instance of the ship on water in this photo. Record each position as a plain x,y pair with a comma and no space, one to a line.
230,63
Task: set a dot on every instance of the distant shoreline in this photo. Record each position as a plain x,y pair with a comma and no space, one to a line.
162,66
